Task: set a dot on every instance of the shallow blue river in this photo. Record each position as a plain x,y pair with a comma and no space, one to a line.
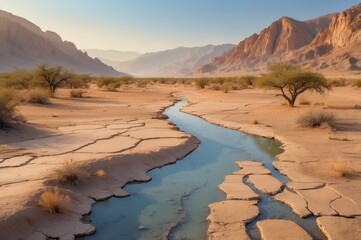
174,205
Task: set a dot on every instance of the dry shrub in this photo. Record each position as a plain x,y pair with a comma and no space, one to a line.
316,118
201,82
255,122
304,101
216,87
8,102
53,201
77,93
319,104
357,83
100,173
70,172
38,95
226,87
342,168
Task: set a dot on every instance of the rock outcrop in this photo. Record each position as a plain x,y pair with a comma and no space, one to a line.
331,41
23,45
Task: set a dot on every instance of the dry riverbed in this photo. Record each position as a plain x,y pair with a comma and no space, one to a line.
309,160
120,133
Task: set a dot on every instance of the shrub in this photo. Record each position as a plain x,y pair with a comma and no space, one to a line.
316,118
142,83
70,172
53,201
226,87
343,168
340,82
38,95
216,87
8,102
77,93
304,101
110,84
357,83
201,82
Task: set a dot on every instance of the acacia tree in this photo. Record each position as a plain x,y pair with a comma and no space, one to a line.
292,81
54,77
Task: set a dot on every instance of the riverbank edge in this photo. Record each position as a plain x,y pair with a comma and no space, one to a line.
285,163
19,227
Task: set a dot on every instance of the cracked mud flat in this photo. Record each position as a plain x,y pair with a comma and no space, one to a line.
112,131
313,188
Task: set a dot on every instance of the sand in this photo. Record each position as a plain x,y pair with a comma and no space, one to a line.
114,131
309,152
117,132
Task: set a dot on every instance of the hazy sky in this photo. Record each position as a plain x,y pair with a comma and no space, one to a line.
152,25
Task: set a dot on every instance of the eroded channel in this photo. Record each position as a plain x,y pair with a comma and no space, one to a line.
174,205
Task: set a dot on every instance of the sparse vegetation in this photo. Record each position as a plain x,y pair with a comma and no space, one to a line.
339,82
304,101
255,122
53,77
342,168
316,118
38,95
77,93
8,102
108,83
292,81
201,82
357,83
53,201
70,172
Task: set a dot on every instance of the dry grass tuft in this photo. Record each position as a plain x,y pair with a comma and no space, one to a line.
53,201
304,101
342,168
255,122
100,173
38,95
77,93
316,118
70,172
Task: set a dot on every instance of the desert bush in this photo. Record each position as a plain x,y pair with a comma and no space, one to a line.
142,83
343,168
8,102
201,82
70,172
53,201
79,81
77,93
339,82
226,87
38,95
216,87
316,118
108,83
304,101
357,83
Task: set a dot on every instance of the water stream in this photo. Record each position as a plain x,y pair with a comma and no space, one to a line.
174,205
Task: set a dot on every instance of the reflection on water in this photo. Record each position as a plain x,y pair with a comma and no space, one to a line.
174,205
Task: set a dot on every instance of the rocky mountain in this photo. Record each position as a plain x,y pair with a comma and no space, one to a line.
24,45
274,43
112,57
337,47
173,62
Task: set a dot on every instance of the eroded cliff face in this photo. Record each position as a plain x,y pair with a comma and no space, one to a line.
25,45
312,43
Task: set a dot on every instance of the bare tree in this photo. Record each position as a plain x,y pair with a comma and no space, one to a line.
54,77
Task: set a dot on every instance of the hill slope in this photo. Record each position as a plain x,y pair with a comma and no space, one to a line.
25,45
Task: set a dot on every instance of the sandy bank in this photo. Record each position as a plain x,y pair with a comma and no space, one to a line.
308,153
114,131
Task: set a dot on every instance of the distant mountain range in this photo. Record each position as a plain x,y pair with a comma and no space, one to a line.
174,62
23,45
112,57
331,42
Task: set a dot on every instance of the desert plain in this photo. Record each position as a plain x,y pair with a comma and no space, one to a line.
123,134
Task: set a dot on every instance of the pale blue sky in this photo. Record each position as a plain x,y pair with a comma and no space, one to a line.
152,25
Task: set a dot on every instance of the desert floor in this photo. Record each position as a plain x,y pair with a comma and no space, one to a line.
121,133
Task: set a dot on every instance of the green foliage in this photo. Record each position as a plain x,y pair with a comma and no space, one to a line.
8,102
20,79
292,81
